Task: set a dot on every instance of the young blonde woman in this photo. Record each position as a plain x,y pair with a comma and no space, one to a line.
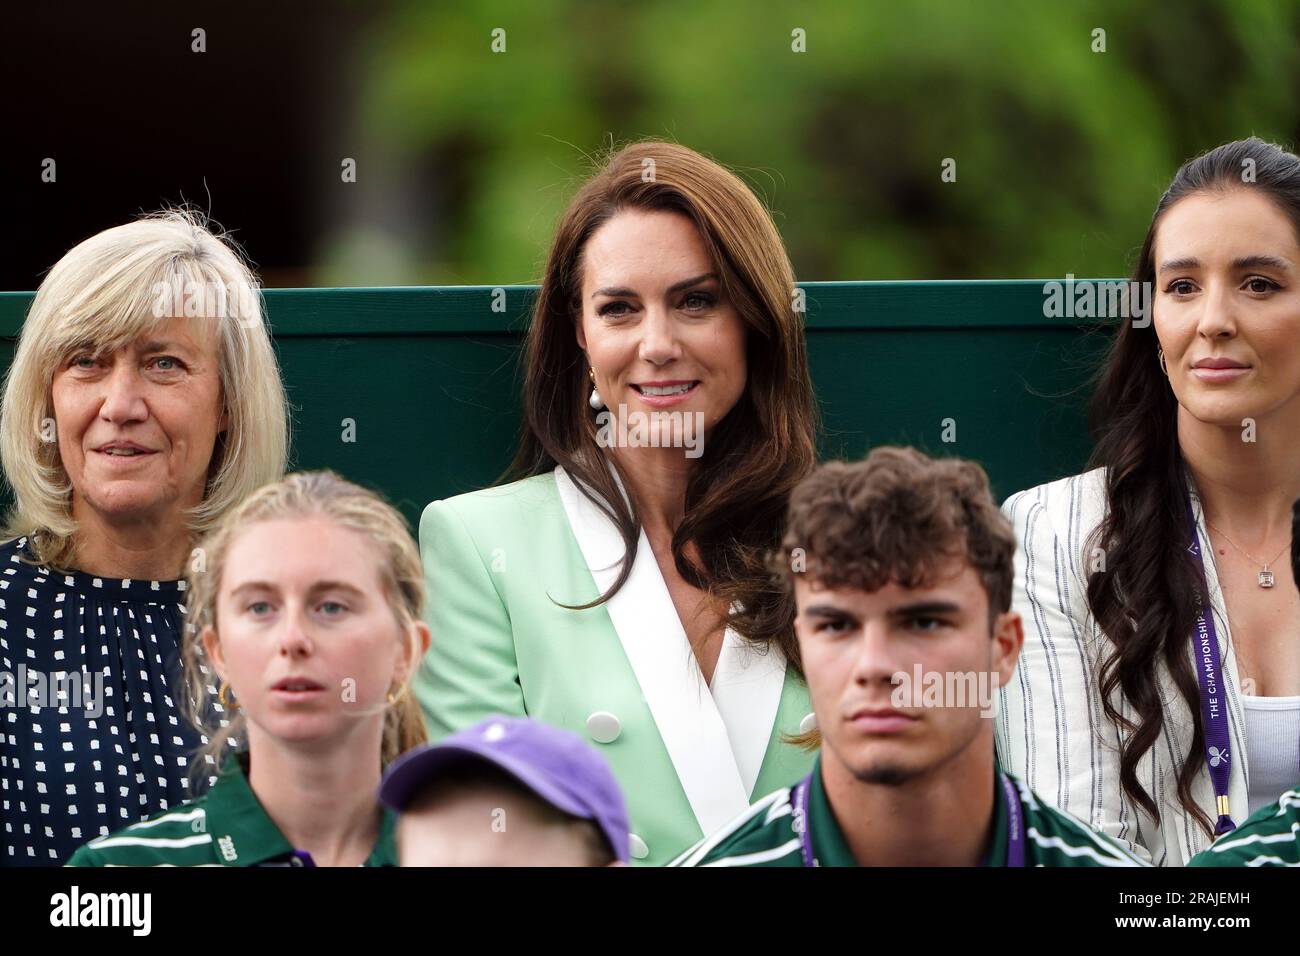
308,616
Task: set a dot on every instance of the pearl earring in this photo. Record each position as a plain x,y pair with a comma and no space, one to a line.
595,401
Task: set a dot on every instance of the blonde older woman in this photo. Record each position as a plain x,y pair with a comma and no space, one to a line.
143,402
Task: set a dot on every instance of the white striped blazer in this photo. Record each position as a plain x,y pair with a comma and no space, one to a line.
1051,729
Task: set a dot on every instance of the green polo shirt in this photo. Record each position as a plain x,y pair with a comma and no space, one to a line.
765,835
225,827
1269,837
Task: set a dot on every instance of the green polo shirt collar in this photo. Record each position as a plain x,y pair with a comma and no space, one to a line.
828,845
830,848
997,853
243,834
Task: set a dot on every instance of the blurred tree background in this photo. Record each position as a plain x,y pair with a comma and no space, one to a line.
465,156
1061,149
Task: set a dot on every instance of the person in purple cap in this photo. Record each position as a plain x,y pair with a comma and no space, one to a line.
509,791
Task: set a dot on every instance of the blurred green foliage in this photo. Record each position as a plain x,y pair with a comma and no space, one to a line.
1061,151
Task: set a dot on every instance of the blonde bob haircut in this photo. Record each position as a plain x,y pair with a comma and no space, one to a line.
104,294
299,496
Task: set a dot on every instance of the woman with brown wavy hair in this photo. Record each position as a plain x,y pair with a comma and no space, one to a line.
619,589
1162,720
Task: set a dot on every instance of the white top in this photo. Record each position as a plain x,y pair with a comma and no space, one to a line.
1052,731
1272,747
716,736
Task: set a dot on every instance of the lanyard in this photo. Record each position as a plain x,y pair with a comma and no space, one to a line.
1209,674
1015,821
1015,824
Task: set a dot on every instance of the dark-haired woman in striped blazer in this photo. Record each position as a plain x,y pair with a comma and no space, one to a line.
1162,720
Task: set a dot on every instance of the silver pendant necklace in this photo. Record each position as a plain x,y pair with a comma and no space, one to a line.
1265,575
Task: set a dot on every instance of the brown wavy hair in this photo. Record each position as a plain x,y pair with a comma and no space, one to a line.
1145,599
897,515
758,452
1295,543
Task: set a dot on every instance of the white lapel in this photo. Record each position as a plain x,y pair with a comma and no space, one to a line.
747,685
716,744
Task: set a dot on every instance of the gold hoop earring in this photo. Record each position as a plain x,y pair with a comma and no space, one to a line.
225,702
1160,354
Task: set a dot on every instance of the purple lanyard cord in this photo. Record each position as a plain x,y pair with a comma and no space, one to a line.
1015,822
801,826
1209,674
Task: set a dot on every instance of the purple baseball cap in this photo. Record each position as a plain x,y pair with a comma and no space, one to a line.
557,765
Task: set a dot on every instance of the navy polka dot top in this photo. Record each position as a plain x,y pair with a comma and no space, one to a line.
91,738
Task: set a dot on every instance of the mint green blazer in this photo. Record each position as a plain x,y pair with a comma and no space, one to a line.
690,757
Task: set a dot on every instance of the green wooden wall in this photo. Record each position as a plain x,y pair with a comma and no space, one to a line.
430,378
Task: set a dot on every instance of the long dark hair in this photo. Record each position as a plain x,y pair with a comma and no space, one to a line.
1295,543
758,452
1145,598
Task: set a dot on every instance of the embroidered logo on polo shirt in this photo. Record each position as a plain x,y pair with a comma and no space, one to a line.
227,847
